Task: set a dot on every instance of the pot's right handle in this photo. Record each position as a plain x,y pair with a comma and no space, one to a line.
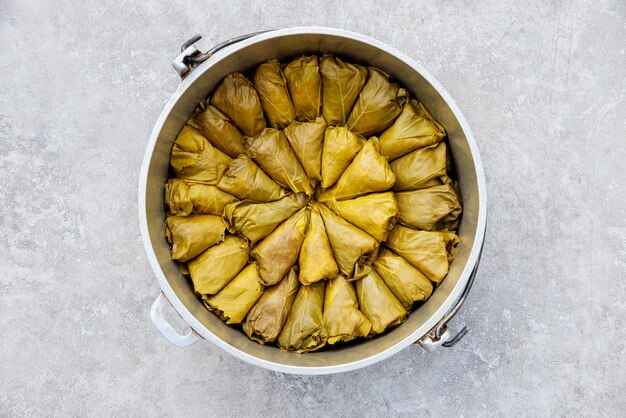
190,57
441,335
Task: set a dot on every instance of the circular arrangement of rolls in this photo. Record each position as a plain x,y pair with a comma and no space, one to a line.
312,202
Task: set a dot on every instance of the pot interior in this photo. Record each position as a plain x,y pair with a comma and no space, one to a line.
284,45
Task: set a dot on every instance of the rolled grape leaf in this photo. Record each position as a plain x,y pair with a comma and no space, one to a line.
354,250
378,104
369,172
422,168
343,320
406,282
278,252
256,220
184,197
271,86
307,140
375,213
429,252
341,84
305,87
271,151
194,158
217,129
183,268
245,180
413,129
378,303
267,317
304,329
233,302
236,98
190,235
340,148
317,261
214,268
436,208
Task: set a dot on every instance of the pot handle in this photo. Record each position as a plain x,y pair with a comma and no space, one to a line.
159,321
441,335
190,57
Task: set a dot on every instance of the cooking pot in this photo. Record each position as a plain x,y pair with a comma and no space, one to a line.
201,72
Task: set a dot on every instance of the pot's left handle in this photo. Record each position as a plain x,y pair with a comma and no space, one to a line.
190,57
159,321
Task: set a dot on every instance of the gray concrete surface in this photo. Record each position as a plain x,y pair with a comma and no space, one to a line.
543,85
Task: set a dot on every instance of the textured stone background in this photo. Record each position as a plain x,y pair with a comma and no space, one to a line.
543,85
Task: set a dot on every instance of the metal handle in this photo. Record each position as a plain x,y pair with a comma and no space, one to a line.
190,57
156,314
441,335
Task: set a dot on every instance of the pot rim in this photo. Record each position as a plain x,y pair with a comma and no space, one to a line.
195,324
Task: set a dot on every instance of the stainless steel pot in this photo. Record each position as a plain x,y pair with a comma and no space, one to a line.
201,72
